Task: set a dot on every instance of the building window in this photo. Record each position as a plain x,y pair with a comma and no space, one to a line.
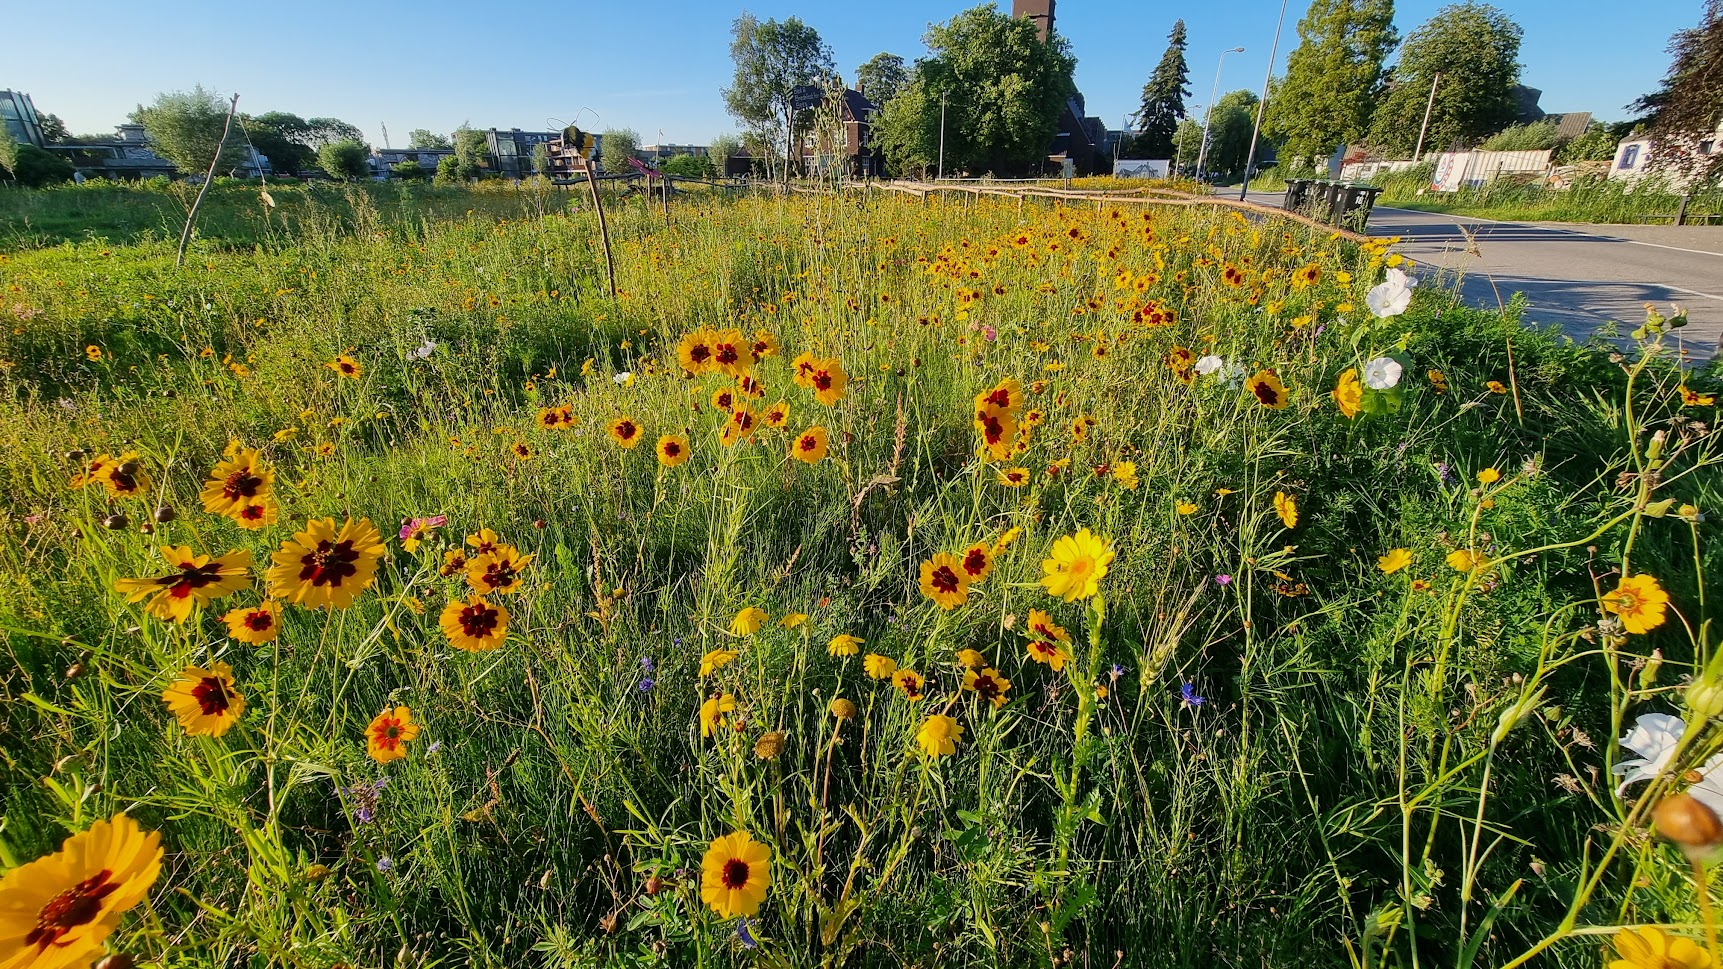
1629,157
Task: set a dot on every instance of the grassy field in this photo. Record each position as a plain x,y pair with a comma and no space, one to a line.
870,582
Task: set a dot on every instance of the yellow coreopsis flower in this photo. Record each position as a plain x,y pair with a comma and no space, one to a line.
1394,561
1286,507
1075,565
938,735
1639,602
748,621
56,911
735,874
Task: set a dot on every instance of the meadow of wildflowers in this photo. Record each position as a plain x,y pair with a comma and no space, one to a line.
871,582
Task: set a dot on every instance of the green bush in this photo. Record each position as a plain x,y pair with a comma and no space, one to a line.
410,170
36,167
346,160
689,166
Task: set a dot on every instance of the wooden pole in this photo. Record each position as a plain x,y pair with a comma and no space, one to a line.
190,217
603,227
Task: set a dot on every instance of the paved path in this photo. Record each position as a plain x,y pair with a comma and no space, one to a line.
1580,277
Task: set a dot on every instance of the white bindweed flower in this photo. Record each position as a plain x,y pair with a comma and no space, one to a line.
1209,364
1391,296
424,351
1383,373
1655,737
624,378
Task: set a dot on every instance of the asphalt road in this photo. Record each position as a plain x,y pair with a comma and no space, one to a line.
1580,277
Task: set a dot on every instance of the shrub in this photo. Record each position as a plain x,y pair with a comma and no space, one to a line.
347,160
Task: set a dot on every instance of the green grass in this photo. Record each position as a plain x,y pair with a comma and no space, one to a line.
1593,200
1350,788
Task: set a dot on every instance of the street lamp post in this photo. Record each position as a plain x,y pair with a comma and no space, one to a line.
941,173
1261,103
1208,115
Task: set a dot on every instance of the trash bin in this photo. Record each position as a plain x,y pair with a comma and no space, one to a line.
1352,205
1297,192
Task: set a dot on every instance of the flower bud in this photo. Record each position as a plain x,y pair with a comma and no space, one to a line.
1688,823
1705,697
770,745
843,709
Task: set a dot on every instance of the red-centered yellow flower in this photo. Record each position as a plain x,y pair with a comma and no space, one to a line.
911,684
938,735
387,737
990,684
997,428
1692,398
828,381
732,354
254,624
326,567
1049,652
552,418
1183,363
749,387
56,911
346,366
694,352
625,431
977,561
802,370
1394,561
1286,507
735,875
1349,393
1006,395
1012,477
765,344
878,667
236,482
483,542
474,625
739,427
1649,947
1266,387
195,580
712,713
716,659
748,621
498,572
454,563
673,450
1638,602
943,581
205,701
1043,626
809,447
777,415
724,399
845,645
1306,277
1076,565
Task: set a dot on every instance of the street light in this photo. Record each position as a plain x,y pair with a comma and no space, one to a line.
1261,103
1208,115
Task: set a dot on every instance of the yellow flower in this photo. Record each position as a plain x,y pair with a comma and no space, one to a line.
809,447
911,683
879,667
1439,381
712,713
1394,561
748,621
387,737
777,415
625,431
1286,507
326,567
1049,652
989,683
236,482
716,659
1692,398
828,381
735,875
1349,393
56,911
254,624
204,700
196,580
346,366
474,625
1648,947
1076,565
845,645
1464,560
1489,476
672,450
970,658
1267,389
1012,477
938,735
1638,602
1042,625
1185,508
793,619
497,572
1497,387
1125,473
944,580
977,561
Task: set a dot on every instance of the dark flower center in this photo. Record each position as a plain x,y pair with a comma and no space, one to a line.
241,484
123,482
478,621
192,578
728,354
987,686
212,696
671,449
944,580
330,564
1266,393
259,621
251,512
999,398
499,574
700,353
76,906
975,562
735,873
822,380
389,734
808,443
625,430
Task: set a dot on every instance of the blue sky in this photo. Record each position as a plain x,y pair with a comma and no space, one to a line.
658,66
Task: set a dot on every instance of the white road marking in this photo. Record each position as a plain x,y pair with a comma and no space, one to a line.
1460,220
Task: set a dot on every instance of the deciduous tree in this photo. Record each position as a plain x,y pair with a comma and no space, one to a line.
1686,106
346,159
882,77
423,139
1163,105
616,146
1334,77
185,127
772,59
1476,48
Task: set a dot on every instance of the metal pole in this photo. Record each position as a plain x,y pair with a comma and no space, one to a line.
1418,153
1261,103
1208,115
941,173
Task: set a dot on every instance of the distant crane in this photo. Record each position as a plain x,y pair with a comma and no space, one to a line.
385,135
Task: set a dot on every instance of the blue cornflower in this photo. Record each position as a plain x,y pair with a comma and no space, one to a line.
385,863
1188,696
646,685
742,933
647,664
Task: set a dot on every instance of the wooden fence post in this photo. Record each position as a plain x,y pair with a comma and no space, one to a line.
603,227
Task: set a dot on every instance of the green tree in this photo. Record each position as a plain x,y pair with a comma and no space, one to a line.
1685,107
8,151
1230,124
54,131
185,127
1004,90
1163,105
689,166
882,77
324,131
772,59
472,155
1597,143
450,171
1535,136
424,139
1334,77
345,160
37,167
721,150
410,170
277,135
616,146
1476,48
